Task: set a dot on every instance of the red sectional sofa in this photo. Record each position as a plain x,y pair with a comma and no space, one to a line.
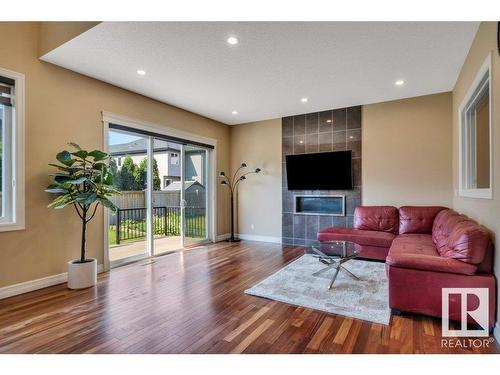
425,249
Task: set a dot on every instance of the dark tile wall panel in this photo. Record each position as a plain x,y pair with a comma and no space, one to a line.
333,130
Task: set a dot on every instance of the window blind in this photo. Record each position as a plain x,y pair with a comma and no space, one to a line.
6,92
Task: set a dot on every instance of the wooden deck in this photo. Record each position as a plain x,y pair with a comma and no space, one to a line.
193,302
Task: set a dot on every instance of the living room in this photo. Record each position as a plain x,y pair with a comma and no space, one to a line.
249,187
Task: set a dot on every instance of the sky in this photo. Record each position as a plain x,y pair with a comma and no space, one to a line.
117,138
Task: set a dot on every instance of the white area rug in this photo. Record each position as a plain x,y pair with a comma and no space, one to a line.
365,299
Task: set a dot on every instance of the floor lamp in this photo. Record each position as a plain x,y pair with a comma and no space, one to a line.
232,184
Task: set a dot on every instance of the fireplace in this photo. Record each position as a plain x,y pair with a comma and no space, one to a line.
332,205
326,131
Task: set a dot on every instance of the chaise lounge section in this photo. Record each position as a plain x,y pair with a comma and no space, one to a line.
425,249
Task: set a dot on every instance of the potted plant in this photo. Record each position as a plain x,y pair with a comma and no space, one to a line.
84,181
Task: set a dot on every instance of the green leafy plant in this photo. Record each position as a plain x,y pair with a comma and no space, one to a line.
83,180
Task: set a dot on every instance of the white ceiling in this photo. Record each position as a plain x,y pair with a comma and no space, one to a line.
333,64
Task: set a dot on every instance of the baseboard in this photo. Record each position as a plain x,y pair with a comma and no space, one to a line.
249,237
496,332
253,237
222,237
44,282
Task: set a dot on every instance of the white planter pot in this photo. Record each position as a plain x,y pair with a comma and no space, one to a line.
82,275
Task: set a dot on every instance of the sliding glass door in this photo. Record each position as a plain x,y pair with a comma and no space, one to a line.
163,205
128,228
194,196
166,196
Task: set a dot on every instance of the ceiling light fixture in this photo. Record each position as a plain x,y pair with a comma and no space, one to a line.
329,121
303,100
232,40
141,72
234,112
399,82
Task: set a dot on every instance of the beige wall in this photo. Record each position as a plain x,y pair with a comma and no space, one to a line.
63,106
406,146
259,145
486,211
54,34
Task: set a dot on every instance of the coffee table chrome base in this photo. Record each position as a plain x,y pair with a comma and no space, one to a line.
331,263
337,264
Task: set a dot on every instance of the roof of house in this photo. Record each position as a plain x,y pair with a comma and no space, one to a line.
176,185
140,147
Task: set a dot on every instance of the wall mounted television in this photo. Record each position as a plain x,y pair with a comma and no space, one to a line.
320,171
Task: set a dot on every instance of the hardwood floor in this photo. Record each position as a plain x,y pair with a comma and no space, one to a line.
193,302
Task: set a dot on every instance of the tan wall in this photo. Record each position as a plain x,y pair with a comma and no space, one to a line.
486,211
63,106
259,145
55,34
406,147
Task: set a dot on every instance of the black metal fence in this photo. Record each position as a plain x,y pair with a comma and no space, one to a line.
131,222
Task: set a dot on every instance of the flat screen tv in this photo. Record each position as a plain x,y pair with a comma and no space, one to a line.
319,171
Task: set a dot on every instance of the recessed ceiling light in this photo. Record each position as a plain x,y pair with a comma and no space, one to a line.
301,142
141,72
329,121
234,112
399,82
303,100
232,40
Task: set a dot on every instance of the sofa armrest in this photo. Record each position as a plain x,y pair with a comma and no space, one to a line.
430,263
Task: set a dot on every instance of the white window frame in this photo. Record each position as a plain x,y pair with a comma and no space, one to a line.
463,136
17,219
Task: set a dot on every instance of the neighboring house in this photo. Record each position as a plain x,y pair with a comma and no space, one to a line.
167,155
194,171
168,158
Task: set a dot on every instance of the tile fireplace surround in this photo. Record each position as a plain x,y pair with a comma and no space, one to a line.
334,130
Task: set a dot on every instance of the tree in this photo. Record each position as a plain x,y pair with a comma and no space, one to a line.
141,174
113,169
127,174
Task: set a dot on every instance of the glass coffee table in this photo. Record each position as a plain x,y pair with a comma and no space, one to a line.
334,254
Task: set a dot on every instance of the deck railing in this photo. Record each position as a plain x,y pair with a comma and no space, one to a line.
131,222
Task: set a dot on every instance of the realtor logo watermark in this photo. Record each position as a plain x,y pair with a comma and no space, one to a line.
477,310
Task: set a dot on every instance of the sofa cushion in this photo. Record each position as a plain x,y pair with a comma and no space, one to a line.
377,218
467,242
360,237
443,225
411,243
417,219
426,262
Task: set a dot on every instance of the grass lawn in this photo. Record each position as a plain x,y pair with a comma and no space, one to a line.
112,236
197,222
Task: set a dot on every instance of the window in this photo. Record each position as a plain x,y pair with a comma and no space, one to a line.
174,158
11,150
475,138
166,181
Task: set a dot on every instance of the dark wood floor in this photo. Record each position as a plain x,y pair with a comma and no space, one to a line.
193,302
